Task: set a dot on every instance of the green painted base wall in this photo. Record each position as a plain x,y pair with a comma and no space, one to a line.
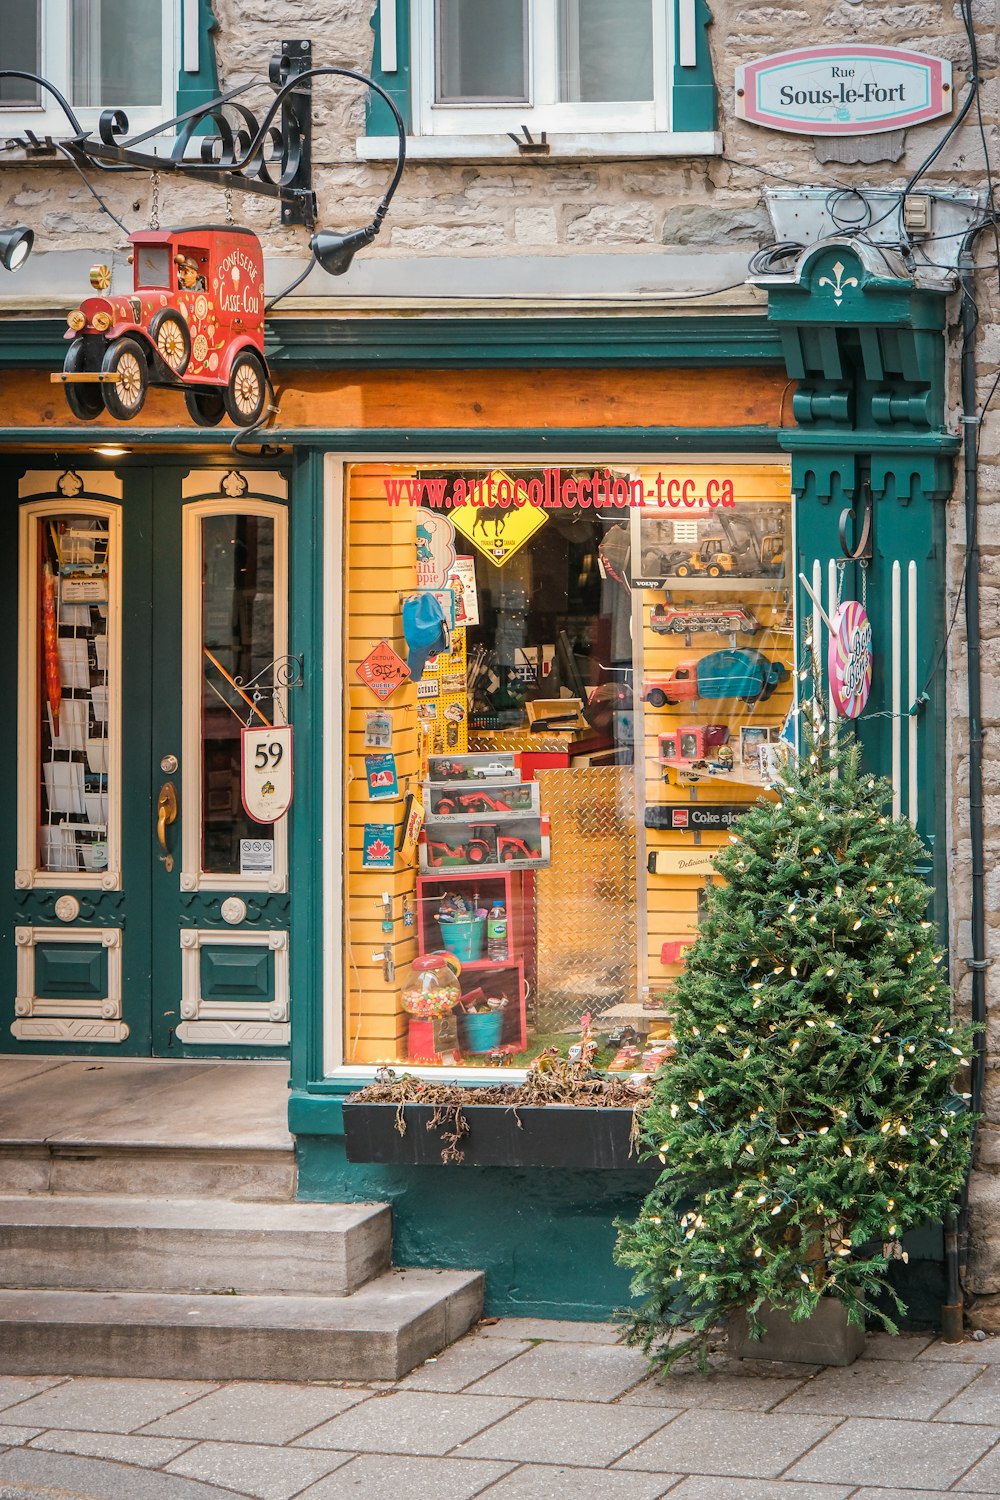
543,1237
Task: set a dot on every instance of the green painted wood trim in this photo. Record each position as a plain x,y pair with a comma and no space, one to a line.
196,89
433,440
305,828
331,343
378,118
693,94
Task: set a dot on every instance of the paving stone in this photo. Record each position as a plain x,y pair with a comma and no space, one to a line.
265,1473
258,1412
979,1402
728,1385
573,1372
882,1388
416,1422
460,1365
985,1352
897,1346
568,1432
880,1494
985,1477
373,1478
896,1454
544,1482
92,1404
550,1328
758,1445
15,1437
15,1388
148,1452
92,1479
758,1489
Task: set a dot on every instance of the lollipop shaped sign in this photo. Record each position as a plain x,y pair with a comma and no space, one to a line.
849,660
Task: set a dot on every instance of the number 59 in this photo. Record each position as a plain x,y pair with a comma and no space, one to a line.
268,755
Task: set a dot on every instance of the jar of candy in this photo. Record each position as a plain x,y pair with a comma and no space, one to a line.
430,986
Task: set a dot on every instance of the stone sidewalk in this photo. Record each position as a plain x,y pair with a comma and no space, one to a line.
524,1410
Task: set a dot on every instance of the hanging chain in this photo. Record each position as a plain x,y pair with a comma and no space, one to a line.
864,584
154,201
230,216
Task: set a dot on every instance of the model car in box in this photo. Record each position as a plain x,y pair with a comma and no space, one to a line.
693,744
743,673
194,322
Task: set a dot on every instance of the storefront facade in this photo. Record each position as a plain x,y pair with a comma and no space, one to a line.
637,519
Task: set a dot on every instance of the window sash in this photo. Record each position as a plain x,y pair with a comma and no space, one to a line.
543,110
56,64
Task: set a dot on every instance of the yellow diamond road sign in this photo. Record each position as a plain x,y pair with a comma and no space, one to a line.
497,517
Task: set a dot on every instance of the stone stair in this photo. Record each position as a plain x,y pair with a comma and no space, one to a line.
226,1290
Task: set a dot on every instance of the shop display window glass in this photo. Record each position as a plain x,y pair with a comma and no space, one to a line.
561,686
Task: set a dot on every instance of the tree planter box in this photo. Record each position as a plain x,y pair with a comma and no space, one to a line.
825,1338
551,1135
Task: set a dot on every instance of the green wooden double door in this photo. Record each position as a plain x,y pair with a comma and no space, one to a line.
145,613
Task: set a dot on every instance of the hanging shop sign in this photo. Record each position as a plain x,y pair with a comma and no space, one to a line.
849,659
382,670
695,817
497,516
843,90
266,778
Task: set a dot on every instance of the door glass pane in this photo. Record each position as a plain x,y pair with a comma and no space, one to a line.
19,28
605,51
237,622
481,51
72,572
117,52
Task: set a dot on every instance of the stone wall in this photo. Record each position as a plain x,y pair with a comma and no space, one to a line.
531,207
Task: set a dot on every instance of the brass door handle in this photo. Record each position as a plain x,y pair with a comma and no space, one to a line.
166,812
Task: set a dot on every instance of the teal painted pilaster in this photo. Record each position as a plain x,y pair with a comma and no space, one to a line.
378,117
306,852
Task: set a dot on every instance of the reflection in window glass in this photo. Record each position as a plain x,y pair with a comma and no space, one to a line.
117,52
73,560
605,51
237,644
481,50
20,31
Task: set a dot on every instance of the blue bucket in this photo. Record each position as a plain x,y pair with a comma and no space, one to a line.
480,1032
464,939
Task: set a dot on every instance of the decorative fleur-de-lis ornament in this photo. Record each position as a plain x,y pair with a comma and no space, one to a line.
841,283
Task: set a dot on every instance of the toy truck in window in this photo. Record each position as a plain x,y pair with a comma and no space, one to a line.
742,673
193,323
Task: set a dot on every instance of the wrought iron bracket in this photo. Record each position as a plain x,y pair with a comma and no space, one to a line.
267,153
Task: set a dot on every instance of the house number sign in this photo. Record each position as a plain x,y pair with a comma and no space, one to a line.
843,90
266,780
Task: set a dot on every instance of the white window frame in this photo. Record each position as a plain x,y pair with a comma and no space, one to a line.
543,111
48,118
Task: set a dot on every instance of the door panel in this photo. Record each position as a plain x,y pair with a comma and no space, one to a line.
126,932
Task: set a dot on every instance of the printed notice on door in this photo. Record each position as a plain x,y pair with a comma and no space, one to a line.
256,856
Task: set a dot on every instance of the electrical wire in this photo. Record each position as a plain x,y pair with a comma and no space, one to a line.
64,151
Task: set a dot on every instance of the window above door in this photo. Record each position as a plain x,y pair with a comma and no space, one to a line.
150,58
630,79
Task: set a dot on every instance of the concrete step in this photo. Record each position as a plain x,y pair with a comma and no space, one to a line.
173,1245
378,1333
249,1174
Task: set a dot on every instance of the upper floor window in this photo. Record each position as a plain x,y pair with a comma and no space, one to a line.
99,53
483,66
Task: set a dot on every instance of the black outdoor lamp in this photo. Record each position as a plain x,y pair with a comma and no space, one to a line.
15,247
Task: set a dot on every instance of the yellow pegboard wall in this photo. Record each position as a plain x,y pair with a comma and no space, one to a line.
444,716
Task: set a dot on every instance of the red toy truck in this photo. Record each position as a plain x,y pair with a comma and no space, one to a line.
194,323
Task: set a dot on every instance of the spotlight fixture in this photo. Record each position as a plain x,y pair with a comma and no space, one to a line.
334,252
15,247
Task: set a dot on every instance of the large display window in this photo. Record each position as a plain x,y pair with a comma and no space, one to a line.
563,683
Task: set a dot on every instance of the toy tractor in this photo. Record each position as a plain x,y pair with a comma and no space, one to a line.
194,323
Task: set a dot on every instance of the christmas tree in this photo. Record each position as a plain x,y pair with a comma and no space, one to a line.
809,1117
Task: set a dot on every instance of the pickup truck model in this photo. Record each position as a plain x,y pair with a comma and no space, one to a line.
742,673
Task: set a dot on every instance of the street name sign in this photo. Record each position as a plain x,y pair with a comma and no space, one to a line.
843,90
